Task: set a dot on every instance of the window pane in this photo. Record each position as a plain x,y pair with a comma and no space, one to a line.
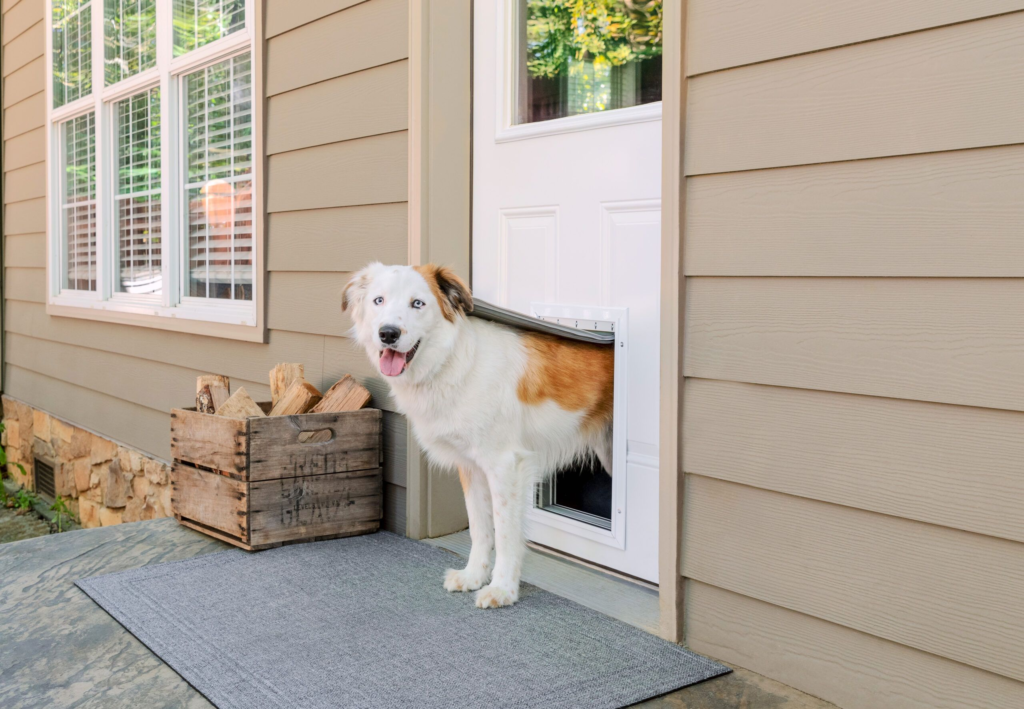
219,184
72,50
138,194
587,56
199,22
130,41
78,203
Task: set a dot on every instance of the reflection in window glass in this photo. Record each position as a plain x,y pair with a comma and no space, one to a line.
218,191
72,50
587,56
78,203
138,194
129,27
199,22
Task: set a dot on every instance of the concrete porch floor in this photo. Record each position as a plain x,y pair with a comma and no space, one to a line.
59,649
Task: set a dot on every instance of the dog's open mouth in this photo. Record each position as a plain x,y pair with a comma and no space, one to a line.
393,362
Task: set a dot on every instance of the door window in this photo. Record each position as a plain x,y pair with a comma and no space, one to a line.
586,56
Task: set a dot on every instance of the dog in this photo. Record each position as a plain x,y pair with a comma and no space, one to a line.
505,407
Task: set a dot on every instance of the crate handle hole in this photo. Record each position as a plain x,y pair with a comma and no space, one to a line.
319,436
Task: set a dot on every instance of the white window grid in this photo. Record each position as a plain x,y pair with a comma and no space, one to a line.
169,76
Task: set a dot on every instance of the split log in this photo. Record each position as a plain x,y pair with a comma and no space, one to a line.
204,401
300,398
240,406
219,387
346,395
212,380
281,377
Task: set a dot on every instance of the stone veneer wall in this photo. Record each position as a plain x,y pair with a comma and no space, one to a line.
102,482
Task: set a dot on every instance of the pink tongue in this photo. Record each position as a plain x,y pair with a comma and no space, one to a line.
392,363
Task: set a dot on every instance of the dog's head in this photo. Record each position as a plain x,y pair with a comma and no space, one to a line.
406,312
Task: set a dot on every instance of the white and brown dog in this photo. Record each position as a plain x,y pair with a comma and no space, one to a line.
503,406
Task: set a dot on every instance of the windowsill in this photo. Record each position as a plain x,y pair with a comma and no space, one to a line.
228,322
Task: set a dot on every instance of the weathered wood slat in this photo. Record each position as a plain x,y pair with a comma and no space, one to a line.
210,441
332,504
276,451
211,499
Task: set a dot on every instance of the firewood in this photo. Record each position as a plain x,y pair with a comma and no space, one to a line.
346,395
281,377
211,380
240,406
204,401
219,387
300,398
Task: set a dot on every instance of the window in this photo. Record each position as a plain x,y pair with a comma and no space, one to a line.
581,58
152,165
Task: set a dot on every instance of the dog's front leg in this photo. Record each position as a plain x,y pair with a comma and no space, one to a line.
481,532
510,494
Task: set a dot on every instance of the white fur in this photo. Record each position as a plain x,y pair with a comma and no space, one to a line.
460,394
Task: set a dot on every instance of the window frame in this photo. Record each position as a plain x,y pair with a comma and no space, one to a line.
170,310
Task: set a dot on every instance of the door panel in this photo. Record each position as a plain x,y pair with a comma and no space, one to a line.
566,210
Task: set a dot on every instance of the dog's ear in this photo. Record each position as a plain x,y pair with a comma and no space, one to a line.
454,291
355,289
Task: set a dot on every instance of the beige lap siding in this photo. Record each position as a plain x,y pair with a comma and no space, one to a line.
337,114
120,380
855,391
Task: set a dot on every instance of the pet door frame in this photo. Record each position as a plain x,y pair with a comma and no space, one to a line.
545,527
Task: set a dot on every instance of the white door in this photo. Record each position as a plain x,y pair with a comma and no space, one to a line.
566,210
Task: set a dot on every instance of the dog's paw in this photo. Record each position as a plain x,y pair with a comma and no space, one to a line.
464,580
494,596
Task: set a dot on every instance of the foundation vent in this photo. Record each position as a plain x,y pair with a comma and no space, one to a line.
44,479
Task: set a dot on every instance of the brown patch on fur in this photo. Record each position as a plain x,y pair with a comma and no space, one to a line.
358,282
575,375
466,480
450,291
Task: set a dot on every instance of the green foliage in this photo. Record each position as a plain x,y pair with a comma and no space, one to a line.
129,38
72,51
24,499
199,22
62,513
5,499
611,32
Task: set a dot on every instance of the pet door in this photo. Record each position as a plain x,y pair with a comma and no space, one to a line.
583,498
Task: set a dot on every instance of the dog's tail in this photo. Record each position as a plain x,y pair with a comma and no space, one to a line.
602,447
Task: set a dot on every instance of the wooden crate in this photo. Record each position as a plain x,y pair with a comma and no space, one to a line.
259,483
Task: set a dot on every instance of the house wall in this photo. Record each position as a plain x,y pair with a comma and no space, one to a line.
854,361
336,118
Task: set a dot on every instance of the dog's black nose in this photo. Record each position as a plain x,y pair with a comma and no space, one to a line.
389,334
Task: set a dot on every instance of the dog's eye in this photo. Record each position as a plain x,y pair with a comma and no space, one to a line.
378,300
418,304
